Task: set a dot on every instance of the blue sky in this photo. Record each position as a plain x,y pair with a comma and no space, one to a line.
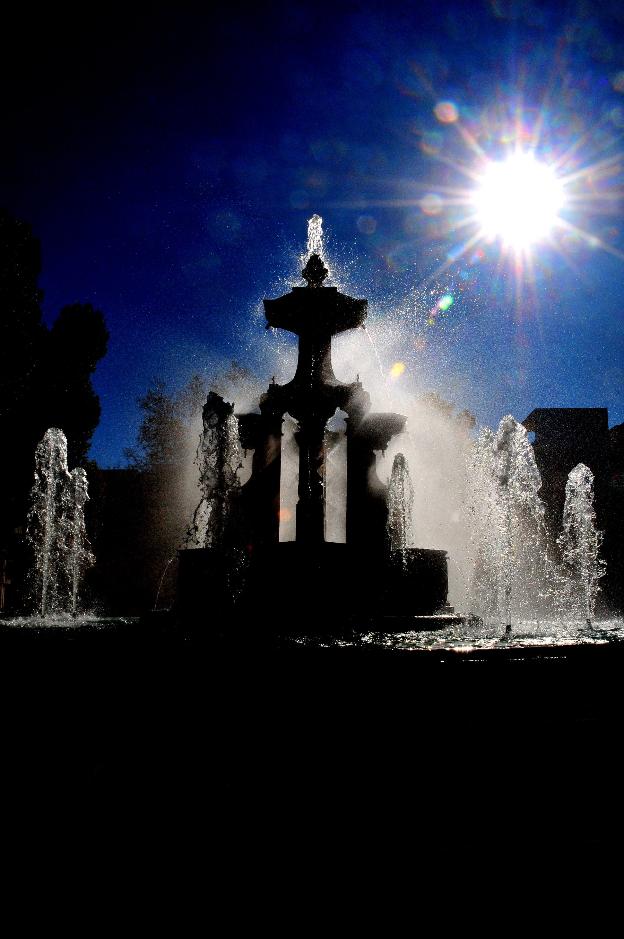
169,164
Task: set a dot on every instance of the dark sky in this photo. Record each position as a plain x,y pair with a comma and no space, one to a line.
169,161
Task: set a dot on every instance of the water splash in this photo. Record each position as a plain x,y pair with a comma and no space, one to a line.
374,348
170,561
486,525
80,556
315,237
55,529
580,543
400,503
219,459
513,573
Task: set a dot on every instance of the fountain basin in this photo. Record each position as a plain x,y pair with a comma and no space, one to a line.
311,590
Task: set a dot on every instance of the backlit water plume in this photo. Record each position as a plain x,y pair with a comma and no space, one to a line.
315,236
55,530
580,543
400,505
513,574
219,458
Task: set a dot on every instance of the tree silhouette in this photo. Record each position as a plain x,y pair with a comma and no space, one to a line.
465,421
22,340
171,422
22,333
45,374
161,436
76,343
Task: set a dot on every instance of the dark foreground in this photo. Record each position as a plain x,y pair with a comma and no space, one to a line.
244,743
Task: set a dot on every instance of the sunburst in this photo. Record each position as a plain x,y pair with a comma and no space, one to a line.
529,185
528,197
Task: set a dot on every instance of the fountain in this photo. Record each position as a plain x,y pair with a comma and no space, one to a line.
400,502
513,572
213,541
80,556
56,529
580,543
392,593
371,585
218,459
235,572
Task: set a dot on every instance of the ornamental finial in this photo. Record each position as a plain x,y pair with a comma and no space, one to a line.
315,271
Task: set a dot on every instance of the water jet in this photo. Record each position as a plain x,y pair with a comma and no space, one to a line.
55,532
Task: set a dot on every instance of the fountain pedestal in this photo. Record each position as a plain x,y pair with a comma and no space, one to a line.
314,589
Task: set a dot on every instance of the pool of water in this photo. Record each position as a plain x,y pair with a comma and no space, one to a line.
467,637
67,623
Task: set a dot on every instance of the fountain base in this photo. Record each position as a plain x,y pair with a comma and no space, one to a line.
328,588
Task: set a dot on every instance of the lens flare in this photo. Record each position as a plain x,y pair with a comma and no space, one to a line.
518,200
397,369
366,224
431,204
446,112
518,187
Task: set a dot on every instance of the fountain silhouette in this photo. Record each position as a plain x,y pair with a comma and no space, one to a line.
391,592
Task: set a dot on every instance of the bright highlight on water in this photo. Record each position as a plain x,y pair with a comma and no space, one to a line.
56,530
315,236
580,543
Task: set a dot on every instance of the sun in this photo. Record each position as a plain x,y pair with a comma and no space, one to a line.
518,200
519,190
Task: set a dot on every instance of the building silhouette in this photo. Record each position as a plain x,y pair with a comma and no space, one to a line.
565,437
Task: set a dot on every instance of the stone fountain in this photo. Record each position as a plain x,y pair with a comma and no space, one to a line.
309,585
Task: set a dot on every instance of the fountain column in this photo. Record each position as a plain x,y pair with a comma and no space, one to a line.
262,433
367,496
219,462
311,505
